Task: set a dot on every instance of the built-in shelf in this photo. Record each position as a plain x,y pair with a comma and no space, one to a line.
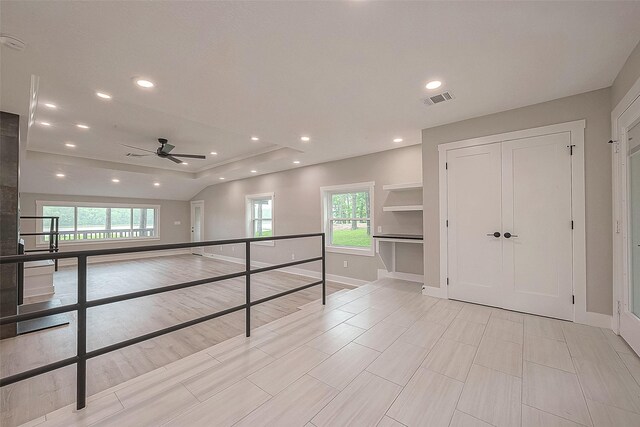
403,187
405,208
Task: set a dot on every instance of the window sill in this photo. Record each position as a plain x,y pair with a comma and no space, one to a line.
267,243
350,251
93,242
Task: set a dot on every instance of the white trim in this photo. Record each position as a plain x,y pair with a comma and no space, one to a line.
248,216
403,187
324,218
435,291
126,257
619,225
293,270
410,277
576,130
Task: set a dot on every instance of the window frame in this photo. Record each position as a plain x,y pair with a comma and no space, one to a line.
249,199
325,194
40,204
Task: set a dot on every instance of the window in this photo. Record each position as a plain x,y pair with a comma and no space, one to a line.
88,222
348,218
260,216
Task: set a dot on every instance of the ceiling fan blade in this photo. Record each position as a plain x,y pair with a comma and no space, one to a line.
138,148
137,155
173,159
190,156
166,148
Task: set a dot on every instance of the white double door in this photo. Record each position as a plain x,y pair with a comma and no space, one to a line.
509,228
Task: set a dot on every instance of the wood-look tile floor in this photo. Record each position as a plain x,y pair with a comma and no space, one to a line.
384,355
109,324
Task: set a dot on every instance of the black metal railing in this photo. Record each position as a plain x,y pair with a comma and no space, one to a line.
82,304
53,235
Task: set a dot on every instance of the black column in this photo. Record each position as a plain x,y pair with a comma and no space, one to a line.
9,171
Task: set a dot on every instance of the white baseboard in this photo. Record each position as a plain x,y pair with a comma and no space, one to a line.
595,319
435,291
293,270
382,273
126,257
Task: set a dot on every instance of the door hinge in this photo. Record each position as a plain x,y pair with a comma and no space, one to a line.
573,299
447,281
617,226
618,308
572,224
447,223
446,165
571,149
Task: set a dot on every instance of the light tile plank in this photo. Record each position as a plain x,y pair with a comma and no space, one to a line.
423,333
632,362
336,338
609,416
543,327
96,410
505,330
368,318
503,356
429,399
451,358
398,362
532,417
389,422
460,419
548,352
465,332
342,367
380,336
475,313
440,314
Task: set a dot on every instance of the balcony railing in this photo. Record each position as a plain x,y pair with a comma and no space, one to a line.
82,304
106,234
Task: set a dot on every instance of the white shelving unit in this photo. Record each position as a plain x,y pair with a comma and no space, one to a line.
403,187
405,208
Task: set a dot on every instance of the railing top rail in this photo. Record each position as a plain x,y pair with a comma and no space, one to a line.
149,248
38,217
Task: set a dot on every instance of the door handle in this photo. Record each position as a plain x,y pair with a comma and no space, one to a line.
496,234
508,235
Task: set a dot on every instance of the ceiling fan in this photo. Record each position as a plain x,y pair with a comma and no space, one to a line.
164,152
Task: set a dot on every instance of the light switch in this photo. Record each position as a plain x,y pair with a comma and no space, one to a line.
346,264
379,229
176,223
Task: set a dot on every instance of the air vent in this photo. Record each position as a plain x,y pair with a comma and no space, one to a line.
439,98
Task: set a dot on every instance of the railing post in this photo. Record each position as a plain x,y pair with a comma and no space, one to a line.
81,372
324,274
247,291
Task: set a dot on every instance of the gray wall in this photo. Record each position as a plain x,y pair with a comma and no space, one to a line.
170,211
627,76
595,107
298,209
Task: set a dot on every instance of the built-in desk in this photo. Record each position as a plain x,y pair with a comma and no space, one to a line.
386,250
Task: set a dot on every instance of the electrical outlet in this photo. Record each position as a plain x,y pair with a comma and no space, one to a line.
346,264
379,229
293,257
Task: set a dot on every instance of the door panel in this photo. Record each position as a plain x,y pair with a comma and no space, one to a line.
197,229
473,183
536,203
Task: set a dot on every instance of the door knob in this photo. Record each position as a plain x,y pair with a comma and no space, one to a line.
508,235
496,234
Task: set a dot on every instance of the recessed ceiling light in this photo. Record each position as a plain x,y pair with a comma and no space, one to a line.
221,178
103,95
255,138
81,126
60,175
45,124
296,162
254,171
184,163
397,140
213,153
70,145
435,84
157,184
144,83
49,105
305,138
116,180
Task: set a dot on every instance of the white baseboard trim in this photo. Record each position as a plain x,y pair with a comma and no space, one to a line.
126,257
434,291
595,319
39,292
382,273
293,270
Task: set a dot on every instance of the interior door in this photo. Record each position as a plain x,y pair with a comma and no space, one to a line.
536,215
197,228
474,215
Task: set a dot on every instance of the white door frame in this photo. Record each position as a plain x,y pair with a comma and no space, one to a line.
579,268
198,250
620,208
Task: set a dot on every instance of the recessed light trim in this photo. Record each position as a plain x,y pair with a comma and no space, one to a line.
254,171
45,124
213,153
296,162
144,83
221,178
255,138
434,84
116,180
305,139
82,126
60,175
185,163
50,105
397,139
70,145
157,184
103,95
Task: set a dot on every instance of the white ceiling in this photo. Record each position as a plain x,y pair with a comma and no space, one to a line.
350,75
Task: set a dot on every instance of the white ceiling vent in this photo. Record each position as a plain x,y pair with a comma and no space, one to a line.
439,98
